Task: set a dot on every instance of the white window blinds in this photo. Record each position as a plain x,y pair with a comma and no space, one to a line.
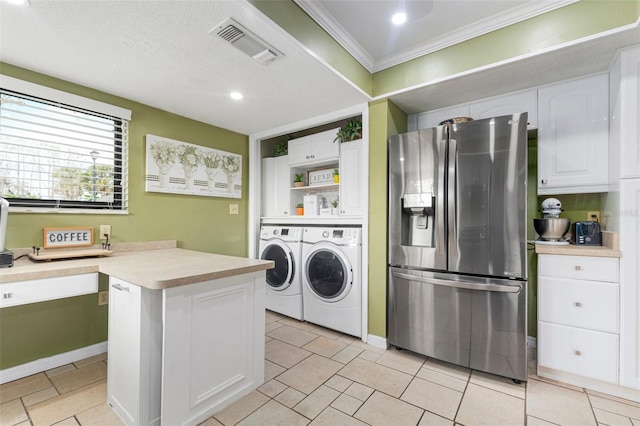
57,155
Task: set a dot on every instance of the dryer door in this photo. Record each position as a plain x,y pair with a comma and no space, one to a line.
328,272
279,278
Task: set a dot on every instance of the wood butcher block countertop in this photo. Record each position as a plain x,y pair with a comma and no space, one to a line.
156,266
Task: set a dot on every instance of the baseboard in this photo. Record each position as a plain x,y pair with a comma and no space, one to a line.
377,341
44,364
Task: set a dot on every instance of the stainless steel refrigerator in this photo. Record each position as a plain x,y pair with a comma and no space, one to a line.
457,244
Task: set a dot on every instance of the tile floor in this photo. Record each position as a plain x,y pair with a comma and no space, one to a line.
319,377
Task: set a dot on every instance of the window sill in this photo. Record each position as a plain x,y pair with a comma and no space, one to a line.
49,210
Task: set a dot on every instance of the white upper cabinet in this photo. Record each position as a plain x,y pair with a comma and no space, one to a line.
351,183
429,119
512,103
625,110
314,148
573,136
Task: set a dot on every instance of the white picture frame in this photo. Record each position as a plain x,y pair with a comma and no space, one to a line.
177,167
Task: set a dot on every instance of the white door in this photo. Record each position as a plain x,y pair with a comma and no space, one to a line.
351,182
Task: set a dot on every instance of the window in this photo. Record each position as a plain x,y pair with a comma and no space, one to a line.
60,155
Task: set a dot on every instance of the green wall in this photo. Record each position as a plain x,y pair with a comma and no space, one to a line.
385,119
40,330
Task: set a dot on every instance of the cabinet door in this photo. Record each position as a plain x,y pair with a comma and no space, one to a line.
269,186
507,105
323,146
299,150
629,113
433,118
573,140
351,181
630,283
282,185
586,268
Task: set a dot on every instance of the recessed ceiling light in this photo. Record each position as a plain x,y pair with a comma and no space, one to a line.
399,18
236,95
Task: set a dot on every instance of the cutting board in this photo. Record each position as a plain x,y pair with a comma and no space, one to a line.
48,256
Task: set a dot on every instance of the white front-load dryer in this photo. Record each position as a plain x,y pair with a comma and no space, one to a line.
282,245
331,281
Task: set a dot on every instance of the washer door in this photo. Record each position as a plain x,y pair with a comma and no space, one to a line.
280,277
328,271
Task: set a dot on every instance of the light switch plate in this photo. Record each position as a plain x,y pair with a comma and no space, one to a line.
233,209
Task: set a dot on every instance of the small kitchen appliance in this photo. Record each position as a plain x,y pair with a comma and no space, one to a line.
586,234
551,228
6,256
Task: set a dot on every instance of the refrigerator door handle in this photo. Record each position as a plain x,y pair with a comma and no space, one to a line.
452,201
457,284
440,207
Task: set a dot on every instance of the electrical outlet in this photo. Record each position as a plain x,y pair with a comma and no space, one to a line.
233,209
103,297
105,231
593,216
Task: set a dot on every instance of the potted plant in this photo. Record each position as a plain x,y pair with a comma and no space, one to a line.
351,131
334,207
336,176
300,209
298,181
282,148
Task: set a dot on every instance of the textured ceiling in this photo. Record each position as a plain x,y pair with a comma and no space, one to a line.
159,53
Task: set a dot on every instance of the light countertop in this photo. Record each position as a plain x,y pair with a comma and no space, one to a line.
609,248
152,266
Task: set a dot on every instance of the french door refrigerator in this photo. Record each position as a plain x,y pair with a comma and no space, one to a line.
457,244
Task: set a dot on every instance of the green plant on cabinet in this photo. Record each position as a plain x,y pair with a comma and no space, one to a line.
351,131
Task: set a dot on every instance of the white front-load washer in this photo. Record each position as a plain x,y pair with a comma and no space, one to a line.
283,245
331,281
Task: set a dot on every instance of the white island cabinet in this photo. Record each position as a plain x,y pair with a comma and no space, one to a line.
184,347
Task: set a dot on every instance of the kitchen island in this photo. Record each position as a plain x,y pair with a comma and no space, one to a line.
186,329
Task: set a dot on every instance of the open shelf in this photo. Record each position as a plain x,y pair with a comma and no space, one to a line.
326,186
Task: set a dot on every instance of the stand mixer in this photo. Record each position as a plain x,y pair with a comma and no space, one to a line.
551,228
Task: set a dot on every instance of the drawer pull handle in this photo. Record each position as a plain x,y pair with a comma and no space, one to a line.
577,267
543,181
577,304
7,295
576,352
120,287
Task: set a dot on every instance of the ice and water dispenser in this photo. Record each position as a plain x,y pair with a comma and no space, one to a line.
418,216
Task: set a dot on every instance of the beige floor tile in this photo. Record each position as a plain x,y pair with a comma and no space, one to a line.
284,354
347,354
611,419
430,419
613,398
383,410
272,388
102,415
347,404
272,326
370,355
21,387
317,401
274,413
612,406
501,384
333,417
39,396
385,379
359,391
433,397
271,370
483,406
331,334
241,408
293,336
71,421
211,422
12,412
339,383
456,371
268,339
270,316
635,422
310,373
367,347
302,325
555,383
91,360
557,404
60,370
67,405
534,421
80,377
405,361
348,339
442,379
324,346
290,397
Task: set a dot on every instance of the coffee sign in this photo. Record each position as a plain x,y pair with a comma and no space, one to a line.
68,237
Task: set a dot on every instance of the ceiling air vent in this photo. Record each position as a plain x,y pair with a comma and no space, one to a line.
244,40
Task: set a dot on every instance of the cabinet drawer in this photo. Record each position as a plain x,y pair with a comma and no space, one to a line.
587,304
579,267
584,352
33,291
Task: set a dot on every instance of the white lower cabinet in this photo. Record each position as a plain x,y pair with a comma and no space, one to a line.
43,289
578,316
178,355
